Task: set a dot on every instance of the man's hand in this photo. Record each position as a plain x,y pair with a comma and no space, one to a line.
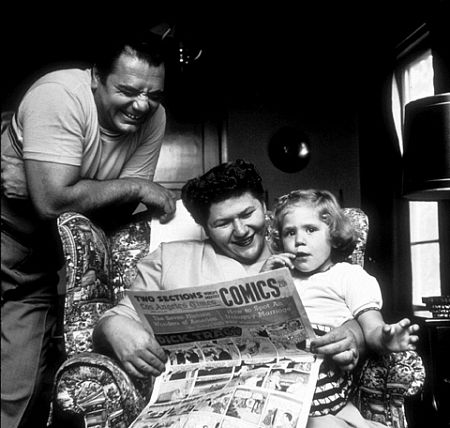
164,200
341,345
136,349
13,178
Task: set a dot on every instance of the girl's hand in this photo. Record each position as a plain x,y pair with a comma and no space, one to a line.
277,261
400,336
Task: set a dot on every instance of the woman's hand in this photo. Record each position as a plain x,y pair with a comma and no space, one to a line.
136,349
343,345
277,261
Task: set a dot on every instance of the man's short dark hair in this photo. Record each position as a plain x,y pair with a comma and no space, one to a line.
231,179
145,45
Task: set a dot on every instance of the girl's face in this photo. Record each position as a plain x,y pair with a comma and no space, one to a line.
306,236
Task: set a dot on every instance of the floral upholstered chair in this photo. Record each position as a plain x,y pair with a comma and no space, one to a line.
91,390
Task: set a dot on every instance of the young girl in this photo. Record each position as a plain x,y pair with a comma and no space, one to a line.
315,237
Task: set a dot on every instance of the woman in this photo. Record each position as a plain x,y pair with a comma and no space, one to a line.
228,202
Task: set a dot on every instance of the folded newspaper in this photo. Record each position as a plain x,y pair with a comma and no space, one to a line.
238,354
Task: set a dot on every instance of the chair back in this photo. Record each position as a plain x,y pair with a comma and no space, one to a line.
98,268
360,223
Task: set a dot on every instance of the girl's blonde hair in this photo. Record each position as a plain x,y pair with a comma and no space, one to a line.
343,236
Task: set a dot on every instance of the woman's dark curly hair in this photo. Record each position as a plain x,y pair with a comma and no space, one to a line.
342,234
222,182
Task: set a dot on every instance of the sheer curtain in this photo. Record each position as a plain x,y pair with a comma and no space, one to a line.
413,80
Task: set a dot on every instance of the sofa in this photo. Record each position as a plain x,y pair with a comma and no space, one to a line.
92,390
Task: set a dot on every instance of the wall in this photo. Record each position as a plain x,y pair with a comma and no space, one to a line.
334,162
286,68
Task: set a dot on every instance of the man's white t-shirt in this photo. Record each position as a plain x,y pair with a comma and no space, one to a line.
57,122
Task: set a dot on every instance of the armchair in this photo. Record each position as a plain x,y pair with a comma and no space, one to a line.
92,390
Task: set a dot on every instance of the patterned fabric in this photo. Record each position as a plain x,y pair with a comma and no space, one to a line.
98,269
93,390
93,385
128,245
382,384
88,289
360,222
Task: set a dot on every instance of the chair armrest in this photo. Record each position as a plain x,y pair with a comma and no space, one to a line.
88,289
92,389
382,383
89,388
128,244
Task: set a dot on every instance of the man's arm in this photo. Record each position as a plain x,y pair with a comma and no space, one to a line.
344,344
56,188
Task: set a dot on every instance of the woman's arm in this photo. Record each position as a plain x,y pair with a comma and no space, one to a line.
120,333
344,345
134,347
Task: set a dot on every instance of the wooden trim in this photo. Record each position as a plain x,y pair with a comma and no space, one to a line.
444,238
412,41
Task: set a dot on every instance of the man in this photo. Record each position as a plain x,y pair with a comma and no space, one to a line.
84,140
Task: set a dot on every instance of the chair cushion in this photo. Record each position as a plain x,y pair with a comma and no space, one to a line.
88,290
181,227
92,385
128,245
382,384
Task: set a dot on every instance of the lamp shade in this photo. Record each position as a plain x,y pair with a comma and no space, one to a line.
426,167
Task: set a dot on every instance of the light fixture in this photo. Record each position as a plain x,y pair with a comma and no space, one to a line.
426,161
184,42
289,149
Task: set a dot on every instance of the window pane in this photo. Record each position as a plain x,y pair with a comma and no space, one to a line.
419,78
423,221
425,271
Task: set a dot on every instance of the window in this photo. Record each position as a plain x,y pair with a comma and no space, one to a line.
413,80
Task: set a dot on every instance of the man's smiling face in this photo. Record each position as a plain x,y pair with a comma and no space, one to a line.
129,94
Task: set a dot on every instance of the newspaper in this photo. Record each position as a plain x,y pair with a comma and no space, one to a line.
238,354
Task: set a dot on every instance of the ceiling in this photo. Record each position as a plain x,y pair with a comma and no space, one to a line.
271,49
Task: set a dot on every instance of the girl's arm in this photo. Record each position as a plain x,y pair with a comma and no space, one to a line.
382,337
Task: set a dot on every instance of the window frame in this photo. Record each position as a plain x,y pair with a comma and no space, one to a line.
412,48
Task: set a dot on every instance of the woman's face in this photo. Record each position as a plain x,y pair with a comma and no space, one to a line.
237,227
